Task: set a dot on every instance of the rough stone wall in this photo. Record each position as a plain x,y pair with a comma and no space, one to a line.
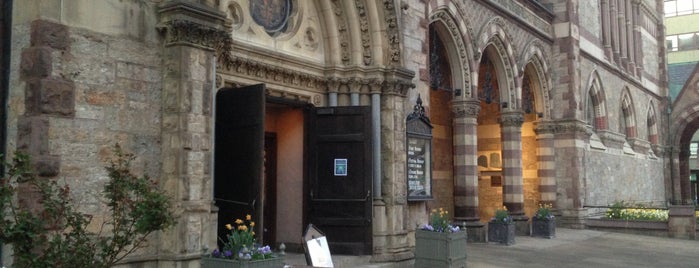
75,92
612,177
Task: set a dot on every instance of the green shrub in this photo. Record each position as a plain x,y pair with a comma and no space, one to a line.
56,234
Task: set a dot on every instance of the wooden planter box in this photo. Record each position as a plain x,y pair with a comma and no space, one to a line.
544,227
209,262
502,233
436,249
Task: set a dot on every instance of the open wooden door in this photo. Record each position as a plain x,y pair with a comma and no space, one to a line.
238,160
340,177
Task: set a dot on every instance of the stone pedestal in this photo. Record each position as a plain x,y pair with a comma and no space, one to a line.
522,225
476,231
682,222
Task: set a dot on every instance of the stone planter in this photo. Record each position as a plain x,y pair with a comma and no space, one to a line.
544,227
208,262
436,249
501,232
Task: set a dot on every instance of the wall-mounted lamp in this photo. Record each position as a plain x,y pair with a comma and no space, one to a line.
504,104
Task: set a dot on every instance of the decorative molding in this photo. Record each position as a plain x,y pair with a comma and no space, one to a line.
393,81
462,50
612,139
343,32
364,31
186,32
392,32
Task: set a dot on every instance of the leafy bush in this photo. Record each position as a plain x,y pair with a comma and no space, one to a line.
55,234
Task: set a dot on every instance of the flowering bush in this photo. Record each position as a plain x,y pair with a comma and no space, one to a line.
240,243
439,222
620,210
544,212
502,216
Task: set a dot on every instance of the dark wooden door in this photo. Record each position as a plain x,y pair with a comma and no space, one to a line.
238,155
339,196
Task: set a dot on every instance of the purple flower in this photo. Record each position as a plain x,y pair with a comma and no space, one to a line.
216,253
428,227
264,250
227,253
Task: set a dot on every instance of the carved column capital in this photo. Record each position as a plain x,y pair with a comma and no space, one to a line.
468,108
512,119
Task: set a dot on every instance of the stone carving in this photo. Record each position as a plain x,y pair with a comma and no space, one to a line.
392,32
235,14
364,30
310,39
511,119
187,32
343,32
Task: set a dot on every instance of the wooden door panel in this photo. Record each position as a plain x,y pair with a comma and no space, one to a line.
238,153
341,206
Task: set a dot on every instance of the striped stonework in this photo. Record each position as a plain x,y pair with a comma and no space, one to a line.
465,160
511,127
547,162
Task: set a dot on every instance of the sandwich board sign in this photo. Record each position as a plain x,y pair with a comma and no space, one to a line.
316,247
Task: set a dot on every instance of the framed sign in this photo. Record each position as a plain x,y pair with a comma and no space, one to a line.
419,154
340,167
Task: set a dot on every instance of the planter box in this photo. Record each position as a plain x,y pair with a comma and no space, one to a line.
544,227
435,249
502,233
208,262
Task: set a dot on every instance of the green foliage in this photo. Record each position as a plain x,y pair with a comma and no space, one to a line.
502,216
53,233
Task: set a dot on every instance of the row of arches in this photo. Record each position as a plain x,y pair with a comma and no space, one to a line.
597,115
485,100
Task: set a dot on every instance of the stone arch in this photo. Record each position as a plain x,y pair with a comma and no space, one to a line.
534,54
629,114
598,101
493,42
684,124
456,36
652,124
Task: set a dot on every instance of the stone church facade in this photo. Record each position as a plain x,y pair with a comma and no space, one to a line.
530,102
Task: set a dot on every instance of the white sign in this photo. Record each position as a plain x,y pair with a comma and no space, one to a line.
340,167
320,252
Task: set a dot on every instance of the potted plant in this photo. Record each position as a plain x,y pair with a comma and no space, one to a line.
241,250
544,222
439,243
501,228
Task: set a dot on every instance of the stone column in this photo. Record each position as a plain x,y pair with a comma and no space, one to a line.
513,195
547,162
674,155
570,158
192,31
391,241
684,184
606,29
466,168
614,29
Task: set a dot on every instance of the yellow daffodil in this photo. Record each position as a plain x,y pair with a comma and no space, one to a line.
229,227
248,217
242,228
252,224
238,221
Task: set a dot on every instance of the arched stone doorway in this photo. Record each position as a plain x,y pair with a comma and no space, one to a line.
684,120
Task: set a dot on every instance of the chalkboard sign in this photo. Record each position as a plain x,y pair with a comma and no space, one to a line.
419,154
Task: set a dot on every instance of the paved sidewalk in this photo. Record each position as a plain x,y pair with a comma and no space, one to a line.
570,248
587,248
